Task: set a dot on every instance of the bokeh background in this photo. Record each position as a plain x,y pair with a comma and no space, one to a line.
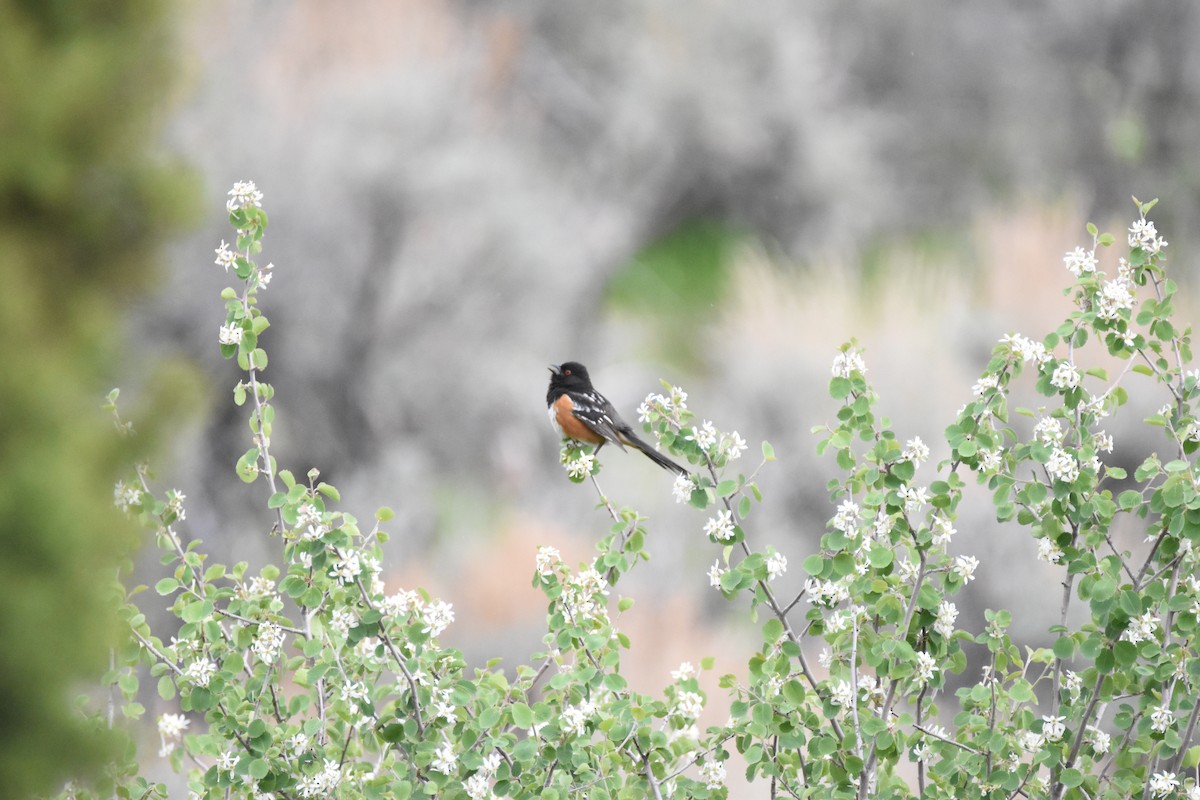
713,193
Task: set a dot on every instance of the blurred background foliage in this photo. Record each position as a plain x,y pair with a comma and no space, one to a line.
462,192
84,206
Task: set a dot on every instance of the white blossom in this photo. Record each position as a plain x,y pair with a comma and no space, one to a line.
720,527
342,620
1027,349
230,334
847,517
705,436
714,574
444,758
227,761
825,593
1163,783
914,498
685,672
126,496
268,643
477,787
1048,551
1099,740
1065,376
1161,719
681,490
243,195
943,531
926,667
575,717
946,615
713,774
346,570
1062,466
547,559
437,617
225,256
1048,430
581,466
964,567
200,672
915,451
1143,234
170,731
1079,261
1053,727
985,384
847,362
689,705
1141,628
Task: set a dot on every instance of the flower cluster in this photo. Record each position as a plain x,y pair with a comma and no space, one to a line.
478,786
1142,234
170,732
268,642
721,527
584,597
244,194
847,362
575,717
1027,349
547,560
1080,261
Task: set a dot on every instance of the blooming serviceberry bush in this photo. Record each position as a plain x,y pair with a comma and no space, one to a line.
315,679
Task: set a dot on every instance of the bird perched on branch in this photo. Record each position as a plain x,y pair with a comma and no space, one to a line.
579,412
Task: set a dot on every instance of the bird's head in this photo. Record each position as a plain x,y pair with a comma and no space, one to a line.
570,375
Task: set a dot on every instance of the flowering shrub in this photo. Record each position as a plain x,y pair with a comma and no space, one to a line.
315,679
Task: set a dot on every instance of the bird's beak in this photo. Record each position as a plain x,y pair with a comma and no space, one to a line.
556,369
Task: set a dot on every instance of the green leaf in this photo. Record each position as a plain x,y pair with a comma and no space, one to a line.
814,564
726,488
839,388
247,465
197,611
625,603
1130,603
1125,653
614,682
384,514
1071,777
329,491
880,556
166,586
1129,499
768,451
522,715
1064,647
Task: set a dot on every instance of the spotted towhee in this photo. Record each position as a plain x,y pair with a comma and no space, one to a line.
579,412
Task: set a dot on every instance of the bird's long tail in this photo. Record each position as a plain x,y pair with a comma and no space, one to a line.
657,457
